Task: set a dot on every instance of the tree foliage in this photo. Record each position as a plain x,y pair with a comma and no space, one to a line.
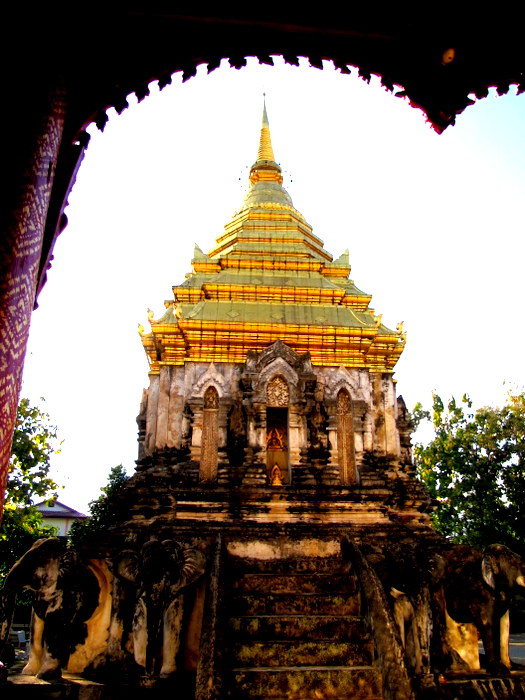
475,469
34,442
103,511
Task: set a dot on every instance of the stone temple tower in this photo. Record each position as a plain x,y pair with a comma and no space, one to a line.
272,444
273,541
269,367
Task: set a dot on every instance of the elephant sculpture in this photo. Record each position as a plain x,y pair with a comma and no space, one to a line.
66,594
157,576
478,589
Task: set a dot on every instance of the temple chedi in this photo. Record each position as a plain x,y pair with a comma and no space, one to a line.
269,367
274,541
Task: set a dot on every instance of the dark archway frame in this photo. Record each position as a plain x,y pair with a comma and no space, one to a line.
63,69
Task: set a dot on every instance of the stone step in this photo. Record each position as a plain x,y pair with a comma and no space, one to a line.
297,584
359,683
310,627
302,653
294,604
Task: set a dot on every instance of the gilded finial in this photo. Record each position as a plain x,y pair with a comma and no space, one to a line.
265,151
265,167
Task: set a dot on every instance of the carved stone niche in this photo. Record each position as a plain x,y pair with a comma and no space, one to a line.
208,406
278,359
277,385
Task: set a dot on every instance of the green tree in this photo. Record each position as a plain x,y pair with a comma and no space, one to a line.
475,469
34,442
103,511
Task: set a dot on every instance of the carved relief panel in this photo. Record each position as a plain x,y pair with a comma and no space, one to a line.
210,435
345,439
277,392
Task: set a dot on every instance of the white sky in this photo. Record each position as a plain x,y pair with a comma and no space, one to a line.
434,226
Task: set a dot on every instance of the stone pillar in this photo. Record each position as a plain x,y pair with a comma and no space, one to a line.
161,437
359,427
141,424
331,428
296,435
151,414
196,430
390,411
331,471
368,431
176,407
222,426
380,440
260,428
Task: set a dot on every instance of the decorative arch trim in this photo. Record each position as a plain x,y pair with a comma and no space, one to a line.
343,379
275,368
211,378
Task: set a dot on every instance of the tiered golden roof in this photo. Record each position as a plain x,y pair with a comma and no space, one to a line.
269,277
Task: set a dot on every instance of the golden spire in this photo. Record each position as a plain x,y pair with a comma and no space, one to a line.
265,168
265,151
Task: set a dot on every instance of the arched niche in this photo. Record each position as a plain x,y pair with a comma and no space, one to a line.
277,439
345,439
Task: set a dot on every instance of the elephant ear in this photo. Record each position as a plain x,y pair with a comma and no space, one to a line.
487,570
194,566
127,565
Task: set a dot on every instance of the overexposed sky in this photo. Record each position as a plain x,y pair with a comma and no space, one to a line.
433,224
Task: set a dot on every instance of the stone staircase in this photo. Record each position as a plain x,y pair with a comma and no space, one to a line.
295,631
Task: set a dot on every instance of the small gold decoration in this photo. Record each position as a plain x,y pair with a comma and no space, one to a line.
276,477
274,441
277,392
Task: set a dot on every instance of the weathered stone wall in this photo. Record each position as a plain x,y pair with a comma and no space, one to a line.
175,406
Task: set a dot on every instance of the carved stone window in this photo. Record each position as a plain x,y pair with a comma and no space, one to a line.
210,435
277,392
345,439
